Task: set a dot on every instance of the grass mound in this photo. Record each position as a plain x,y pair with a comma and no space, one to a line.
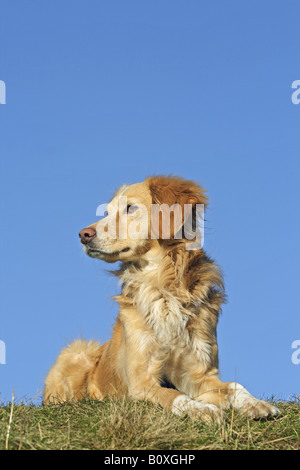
125,425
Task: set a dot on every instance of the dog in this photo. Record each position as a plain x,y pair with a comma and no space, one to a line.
172,294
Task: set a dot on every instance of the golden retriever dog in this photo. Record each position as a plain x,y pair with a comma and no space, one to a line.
171,297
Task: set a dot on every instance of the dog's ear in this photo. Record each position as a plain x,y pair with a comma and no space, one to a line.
183,195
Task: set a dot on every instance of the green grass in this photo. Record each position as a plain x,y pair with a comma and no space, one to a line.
124,425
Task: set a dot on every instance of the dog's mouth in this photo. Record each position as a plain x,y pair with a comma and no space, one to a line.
94,253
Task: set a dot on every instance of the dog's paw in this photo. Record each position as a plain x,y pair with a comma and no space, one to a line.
259,409
250,406
207,413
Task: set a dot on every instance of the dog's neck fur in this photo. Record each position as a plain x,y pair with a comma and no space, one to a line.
169,287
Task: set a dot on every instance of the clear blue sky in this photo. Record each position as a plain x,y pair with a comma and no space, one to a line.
101,93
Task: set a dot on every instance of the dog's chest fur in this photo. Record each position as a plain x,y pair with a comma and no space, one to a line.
164,308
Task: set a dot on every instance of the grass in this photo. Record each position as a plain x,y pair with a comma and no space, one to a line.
125,425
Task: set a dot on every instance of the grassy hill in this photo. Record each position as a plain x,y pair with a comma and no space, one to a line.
124,425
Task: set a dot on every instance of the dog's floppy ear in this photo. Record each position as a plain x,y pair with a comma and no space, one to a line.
182,194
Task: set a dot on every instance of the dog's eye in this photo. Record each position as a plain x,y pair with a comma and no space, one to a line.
131,209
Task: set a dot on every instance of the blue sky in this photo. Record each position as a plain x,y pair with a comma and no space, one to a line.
103,93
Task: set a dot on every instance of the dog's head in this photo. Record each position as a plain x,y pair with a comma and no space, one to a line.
160,211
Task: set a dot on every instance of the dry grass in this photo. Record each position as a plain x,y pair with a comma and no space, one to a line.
124,425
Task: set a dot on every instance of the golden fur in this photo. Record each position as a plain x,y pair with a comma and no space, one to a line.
166,327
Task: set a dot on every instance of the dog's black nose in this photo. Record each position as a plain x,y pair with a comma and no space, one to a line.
87,234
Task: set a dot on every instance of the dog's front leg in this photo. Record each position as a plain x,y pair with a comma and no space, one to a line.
142,362
210,389
144,384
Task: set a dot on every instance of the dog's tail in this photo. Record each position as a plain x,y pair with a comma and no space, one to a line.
70,377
